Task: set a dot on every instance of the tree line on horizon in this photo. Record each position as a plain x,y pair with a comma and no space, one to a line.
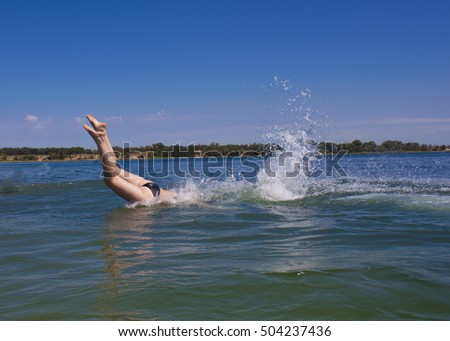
387,146
160,150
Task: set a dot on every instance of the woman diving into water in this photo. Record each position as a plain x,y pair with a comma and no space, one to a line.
128,186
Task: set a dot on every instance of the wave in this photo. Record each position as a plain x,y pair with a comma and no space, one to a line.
273,191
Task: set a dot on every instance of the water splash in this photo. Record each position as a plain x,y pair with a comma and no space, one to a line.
294,129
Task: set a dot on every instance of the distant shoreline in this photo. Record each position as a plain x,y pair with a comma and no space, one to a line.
18,160
161,151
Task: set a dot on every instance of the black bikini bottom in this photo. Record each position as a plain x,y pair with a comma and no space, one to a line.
154,188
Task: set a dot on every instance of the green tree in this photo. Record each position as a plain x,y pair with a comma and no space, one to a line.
391,146
370,147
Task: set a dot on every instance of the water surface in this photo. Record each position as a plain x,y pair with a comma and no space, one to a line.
374,245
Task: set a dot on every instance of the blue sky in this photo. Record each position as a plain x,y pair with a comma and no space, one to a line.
204,71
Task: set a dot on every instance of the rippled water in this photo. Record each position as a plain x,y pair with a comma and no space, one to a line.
372,245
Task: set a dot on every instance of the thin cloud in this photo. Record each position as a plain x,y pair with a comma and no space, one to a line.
163,116
195,117
422,130
114,119
394,121
416,120
31,118
36,122
159,116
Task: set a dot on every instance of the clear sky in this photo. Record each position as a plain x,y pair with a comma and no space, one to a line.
203,71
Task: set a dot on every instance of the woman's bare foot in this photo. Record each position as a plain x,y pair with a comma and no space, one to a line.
99,130
100,127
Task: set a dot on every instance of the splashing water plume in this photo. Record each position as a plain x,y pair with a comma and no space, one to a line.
295,131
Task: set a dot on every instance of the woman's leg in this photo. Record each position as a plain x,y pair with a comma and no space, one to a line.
124,184
130,177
